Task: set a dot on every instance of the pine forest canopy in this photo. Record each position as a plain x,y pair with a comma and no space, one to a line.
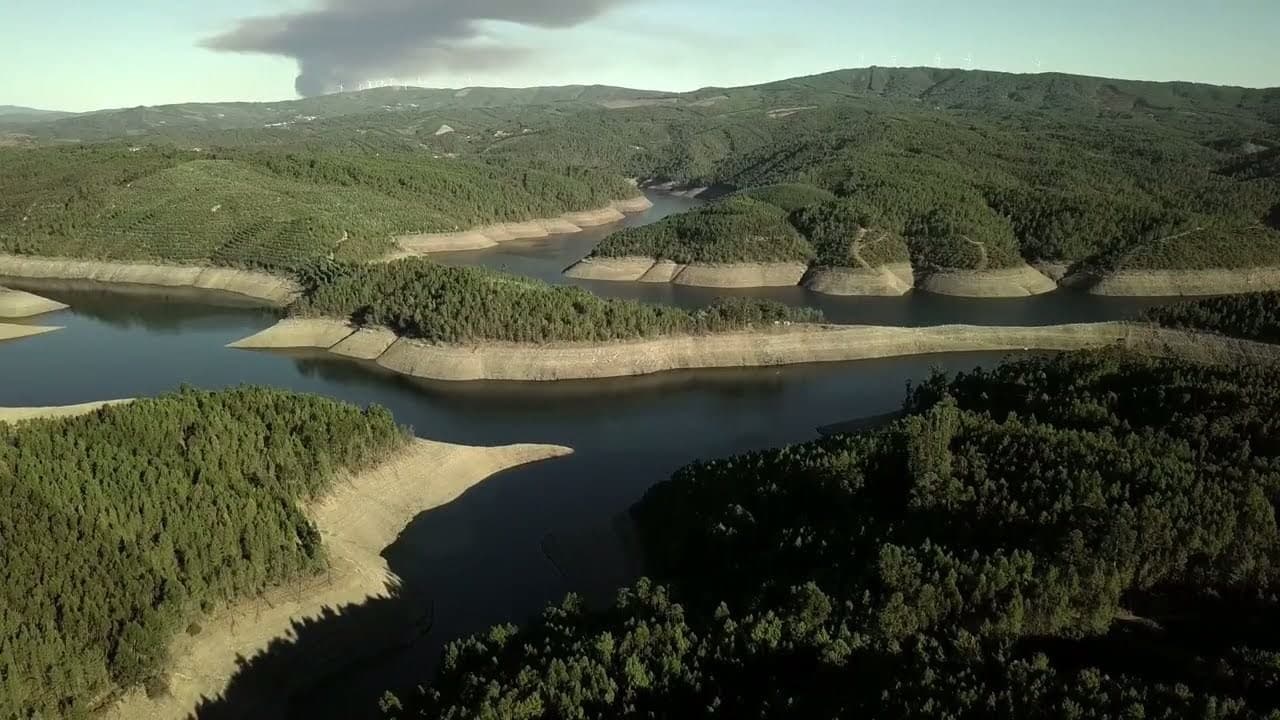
122,527
1091,535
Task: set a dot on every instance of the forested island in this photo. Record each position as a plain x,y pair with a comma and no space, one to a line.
1092,535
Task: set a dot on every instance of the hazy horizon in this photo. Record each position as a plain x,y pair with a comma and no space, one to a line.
125,53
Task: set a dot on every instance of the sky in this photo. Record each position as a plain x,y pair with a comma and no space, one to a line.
80,55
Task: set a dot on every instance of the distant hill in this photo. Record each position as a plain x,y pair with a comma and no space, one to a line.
19,114
949,89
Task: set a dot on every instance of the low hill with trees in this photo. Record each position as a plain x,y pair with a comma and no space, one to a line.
122,527
418,298
1092,535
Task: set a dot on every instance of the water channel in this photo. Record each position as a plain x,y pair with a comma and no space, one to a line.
526,537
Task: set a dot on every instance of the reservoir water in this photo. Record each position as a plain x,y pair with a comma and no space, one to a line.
526,537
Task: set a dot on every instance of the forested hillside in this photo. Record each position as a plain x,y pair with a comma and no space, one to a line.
980,169
1109,193
121,527
1088,536
265,208
421,299
1252,316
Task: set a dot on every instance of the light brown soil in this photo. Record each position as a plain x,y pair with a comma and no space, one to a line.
1161,283
13,332
40,413
19,304
270,289
780,345
1019,281
492,235
885,280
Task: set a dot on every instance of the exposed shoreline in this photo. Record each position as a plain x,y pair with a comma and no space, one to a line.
19,414
884,280
893,279
488,236
361,516
10,331
1018,281
1173,283
263,287
762,348
649,270
19,304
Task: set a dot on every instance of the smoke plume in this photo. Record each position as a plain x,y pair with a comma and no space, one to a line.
343,42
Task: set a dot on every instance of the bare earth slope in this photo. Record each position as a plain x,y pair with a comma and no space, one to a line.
778,346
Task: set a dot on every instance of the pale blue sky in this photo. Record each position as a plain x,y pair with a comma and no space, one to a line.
88,54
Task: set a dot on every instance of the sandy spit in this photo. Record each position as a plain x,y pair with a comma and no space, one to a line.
489,236
19,304
729,275
1161,283
776,346
885,280
60,411
364,514
270,289
1019,281
13,332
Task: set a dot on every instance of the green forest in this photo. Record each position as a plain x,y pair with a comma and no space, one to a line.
1091,535
265,208
1251,316
419,298
973,169
120,528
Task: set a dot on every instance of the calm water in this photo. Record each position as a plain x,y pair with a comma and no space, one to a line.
528,536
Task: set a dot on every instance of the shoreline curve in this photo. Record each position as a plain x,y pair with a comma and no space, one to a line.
16,304
1175,283
780,345
360,516
19,414
270,289
487,236
10,331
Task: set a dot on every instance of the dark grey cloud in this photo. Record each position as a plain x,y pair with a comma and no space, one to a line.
342,42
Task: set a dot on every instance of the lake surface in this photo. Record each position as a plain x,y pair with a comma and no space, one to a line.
526,537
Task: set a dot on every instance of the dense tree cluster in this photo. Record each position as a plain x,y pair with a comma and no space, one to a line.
275,209
1090,536
737,229
119,528
1252,316
422,299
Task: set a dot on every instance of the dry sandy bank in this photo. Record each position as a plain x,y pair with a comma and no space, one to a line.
1019,281
892,279
775,346
19,304
729,275
1158,283
491,235
260,286
58,411
364,514
13,332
